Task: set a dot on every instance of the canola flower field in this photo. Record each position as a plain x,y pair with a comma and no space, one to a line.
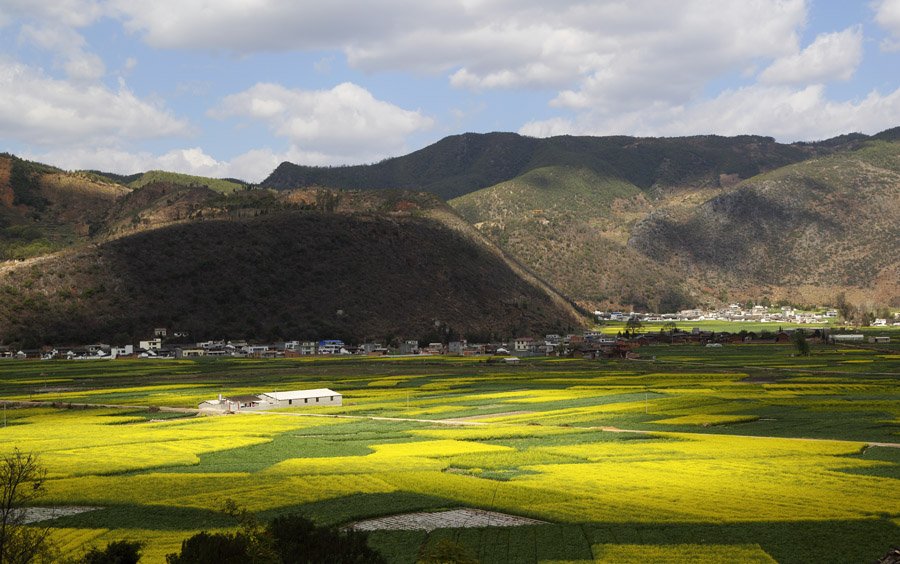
743,454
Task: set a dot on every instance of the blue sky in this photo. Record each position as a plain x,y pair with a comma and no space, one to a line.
231,88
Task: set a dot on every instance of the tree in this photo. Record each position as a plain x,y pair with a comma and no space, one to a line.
844,308
117,552
289,539
21,482
216,548
298,540
633,325
670,327
799,340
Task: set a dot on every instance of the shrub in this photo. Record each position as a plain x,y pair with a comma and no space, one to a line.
117,552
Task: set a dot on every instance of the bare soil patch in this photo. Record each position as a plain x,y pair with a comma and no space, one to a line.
453,519
35,514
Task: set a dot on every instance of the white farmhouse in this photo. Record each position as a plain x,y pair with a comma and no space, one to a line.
301,398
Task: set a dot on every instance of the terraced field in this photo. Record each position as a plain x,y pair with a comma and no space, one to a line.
701,455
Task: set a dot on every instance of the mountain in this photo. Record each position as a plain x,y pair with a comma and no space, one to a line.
259,265
805,232
462,164
44,209
565,206
653,224
571,226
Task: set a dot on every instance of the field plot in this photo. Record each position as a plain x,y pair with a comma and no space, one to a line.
740,454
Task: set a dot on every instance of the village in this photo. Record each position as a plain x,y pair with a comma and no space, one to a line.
735,312
588,345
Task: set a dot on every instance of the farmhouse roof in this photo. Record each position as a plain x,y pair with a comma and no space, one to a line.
243,398
300,394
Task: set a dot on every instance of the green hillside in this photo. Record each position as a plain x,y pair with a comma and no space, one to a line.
557,190
570,226
218,185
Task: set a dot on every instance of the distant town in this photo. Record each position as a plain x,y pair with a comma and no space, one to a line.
166,345
741,314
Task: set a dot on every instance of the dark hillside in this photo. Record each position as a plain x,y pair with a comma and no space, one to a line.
280,275
462,164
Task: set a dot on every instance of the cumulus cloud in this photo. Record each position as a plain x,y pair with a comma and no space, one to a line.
346,121
68,46
273,25
187,161
788,114
76,13
832,56
39,110
887,14
253,166
499,44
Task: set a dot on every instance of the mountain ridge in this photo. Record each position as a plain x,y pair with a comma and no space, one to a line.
461,164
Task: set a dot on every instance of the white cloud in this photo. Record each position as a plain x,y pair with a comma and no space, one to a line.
41,111
341,123
272,25
621,47
68,47
77,13
887,14
253,166
832,56
187,161
788,114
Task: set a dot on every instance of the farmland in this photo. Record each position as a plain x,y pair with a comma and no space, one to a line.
688,454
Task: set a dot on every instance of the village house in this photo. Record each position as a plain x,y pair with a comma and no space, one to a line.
331,346
191,352
122,352
151,345
373,349
456,347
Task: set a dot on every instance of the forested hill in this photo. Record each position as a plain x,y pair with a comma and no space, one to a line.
462,164
302,265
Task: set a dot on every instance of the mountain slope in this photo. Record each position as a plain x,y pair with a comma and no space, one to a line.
43,209
461,164
570,226
804,232
283,274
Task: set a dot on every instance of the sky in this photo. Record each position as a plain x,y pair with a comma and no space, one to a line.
232,88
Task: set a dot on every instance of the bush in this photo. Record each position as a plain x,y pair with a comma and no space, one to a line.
217,548
290,539
298,540
118,552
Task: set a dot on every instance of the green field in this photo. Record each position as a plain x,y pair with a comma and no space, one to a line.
714,464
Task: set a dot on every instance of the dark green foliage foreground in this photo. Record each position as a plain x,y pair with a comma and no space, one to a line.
119,552
290,539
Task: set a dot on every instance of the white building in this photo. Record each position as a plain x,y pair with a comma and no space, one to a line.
300,398
151,345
